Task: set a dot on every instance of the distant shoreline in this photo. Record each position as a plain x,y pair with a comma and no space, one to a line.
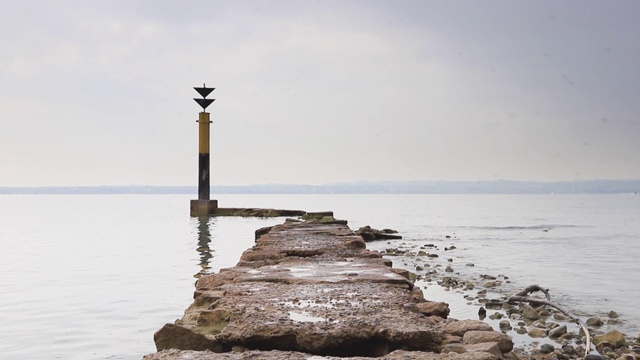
386,187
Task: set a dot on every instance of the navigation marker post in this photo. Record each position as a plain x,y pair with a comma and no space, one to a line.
203,206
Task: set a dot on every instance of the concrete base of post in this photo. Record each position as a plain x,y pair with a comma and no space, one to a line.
203,207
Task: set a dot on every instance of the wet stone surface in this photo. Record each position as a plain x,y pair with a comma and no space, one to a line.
313,289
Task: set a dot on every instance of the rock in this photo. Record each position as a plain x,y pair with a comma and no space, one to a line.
469,264
460,327
451,339
317,215
476,337
537,333
448,269
430,308
262,231
175,336
616,338
569,336
543,312
530,313
491,284
594,357
569,349
594,321
494,304
627,357
557,332
239,349
613,315
366,235
541,324
547,348
505,325
489,347
370,234
414,355
560,317
482,312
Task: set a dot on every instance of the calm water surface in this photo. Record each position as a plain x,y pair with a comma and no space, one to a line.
94,276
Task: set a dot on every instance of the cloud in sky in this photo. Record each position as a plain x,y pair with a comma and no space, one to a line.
313,92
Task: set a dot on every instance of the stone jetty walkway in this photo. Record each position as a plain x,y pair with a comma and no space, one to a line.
311,290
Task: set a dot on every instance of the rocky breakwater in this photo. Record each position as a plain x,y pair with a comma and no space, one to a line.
312,290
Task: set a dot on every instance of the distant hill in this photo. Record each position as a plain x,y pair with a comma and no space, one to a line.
364,187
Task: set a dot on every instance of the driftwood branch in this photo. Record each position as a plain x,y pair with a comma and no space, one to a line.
523,296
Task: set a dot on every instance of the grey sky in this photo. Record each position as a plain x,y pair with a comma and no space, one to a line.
99,92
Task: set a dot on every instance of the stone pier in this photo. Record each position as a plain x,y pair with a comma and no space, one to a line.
311,290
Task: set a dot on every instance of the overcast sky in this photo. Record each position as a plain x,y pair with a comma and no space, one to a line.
100,92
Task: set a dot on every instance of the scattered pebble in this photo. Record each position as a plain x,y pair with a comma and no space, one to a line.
540,322
547,348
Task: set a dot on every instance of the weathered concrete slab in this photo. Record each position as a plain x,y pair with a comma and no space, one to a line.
313,288
255,212
301,271
317,241
333,319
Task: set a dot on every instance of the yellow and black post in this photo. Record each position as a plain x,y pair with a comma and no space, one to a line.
203,157
203,206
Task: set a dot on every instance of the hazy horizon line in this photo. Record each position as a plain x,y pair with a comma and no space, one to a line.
358,187
354,182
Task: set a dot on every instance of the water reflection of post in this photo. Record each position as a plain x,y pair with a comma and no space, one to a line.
204,238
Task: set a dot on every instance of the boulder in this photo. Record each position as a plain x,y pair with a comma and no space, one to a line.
530,313
594,321
505,325
263,231
616,338
492,284
488,347
451,339
460,327
476,337
370,234
557,332
547,348
172,336
436,308
537,333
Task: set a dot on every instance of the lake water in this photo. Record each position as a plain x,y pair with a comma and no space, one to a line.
94,276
